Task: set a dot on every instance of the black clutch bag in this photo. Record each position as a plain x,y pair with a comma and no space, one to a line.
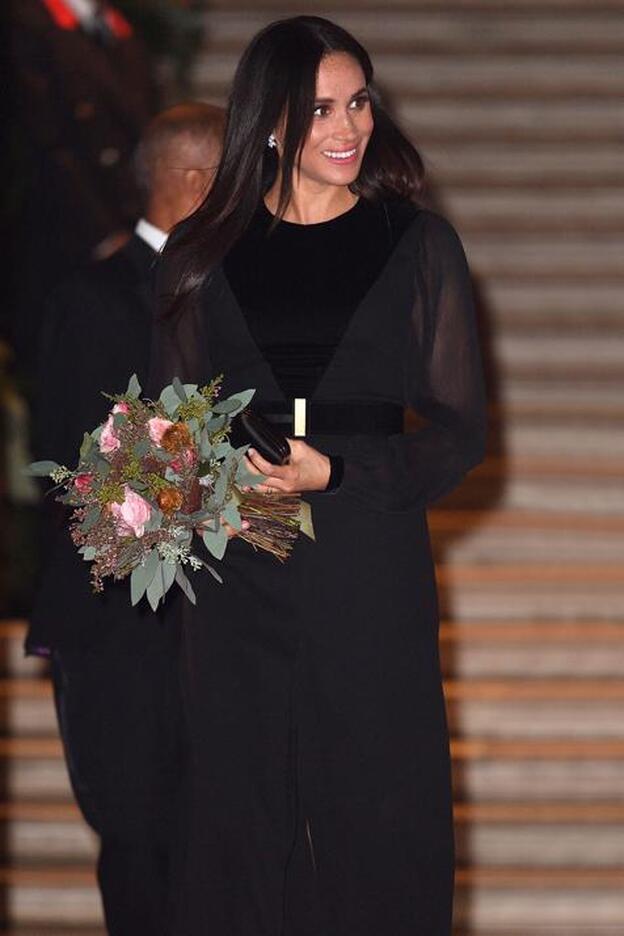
250,428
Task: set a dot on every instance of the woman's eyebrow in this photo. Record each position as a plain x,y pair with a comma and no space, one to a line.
327,100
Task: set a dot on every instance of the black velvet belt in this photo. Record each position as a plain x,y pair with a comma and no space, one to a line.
303,417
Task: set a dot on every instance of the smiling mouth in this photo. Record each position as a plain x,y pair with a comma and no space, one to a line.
341,155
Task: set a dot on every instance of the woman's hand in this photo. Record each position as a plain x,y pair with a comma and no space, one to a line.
231,532
307,470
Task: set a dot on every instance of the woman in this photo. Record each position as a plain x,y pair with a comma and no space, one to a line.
318,797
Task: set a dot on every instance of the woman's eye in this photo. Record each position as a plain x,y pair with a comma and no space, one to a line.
321,110
360,102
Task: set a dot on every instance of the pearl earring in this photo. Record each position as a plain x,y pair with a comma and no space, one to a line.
272,142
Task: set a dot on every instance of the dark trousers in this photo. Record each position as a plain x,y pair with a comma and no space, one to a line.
119,717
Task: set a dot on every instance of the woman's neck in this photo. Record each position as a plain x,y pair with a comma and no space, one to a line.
312,205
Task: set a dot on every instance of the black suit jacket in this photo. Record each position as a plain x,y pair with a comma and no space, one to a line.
79,108
96,333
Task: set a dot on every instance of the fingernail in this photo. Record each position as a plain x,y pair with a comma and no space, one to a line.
245,525
251,451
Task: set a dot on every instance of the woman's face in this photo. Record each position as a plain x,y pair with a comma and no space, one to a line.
341,126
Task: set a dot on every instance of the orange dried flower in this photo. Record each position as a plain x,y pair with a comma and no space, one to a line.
176,438
169,500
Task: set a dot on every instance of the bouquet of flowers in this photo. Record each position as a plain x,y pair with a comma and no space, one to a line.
157,474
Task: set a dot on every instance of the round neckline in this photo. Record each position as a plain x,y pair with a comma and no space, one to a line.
315,224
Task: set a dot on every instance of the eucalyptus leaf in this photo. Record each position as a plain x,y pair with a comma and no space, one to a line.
226,407
151,565
170,474
101,464
216,423
119,420
86,446
182,580
170,400
245,478
168,572
244,398
214,573
134,387
138,584
176,383
221,486
88,553
41,469
155,590
161,583
222,450
91,518
155,520
231,515
215,542
141,448
205,447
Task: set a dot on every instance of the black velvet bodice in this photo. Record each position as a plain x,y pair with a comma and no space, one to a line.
298,285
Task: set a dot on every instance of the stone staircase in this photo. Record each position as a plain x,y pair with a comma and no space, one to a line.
519,110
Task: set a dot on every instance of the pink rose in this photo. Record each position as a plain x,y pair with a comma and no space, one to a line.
83,482
157,428
109,442
133,514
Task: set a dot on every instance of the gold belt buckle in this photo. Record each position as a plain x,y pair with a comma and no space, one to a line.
300,417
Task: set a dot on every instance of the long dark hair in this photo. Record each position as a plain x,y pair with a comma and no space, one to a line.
276,76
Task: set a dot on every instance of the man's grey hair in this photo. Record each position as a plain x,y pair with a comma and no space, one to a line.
203,123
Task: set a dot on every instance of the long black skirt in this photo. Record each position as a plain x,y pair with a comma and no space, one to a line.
318,799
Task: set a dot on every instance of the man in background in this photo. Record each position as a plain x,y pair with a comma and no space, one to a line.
114,666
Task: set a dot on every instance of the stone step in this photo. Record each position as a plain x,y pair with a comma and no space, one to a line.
587,650
446,118
555,600
541,846
600,468
573,351
442,30
490,898
574,495
455,76
563,396
545,257
482,210
496,549
559,304
553,438
526,152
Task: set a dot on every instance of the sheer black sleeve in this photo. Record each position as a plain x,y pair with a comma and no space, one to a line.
443,383
178,342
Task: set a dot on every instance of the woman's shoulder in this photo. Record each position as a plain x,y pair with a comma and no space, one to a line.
432,233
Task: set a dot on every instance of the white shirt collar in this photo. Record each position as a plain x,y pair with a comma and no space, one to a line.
151,235
85,10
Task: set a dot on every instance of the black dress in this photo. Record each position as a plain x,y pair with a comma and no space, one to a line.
318,799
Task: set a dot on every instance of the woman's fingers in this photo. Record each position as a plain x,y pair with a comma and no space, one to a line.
231,532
